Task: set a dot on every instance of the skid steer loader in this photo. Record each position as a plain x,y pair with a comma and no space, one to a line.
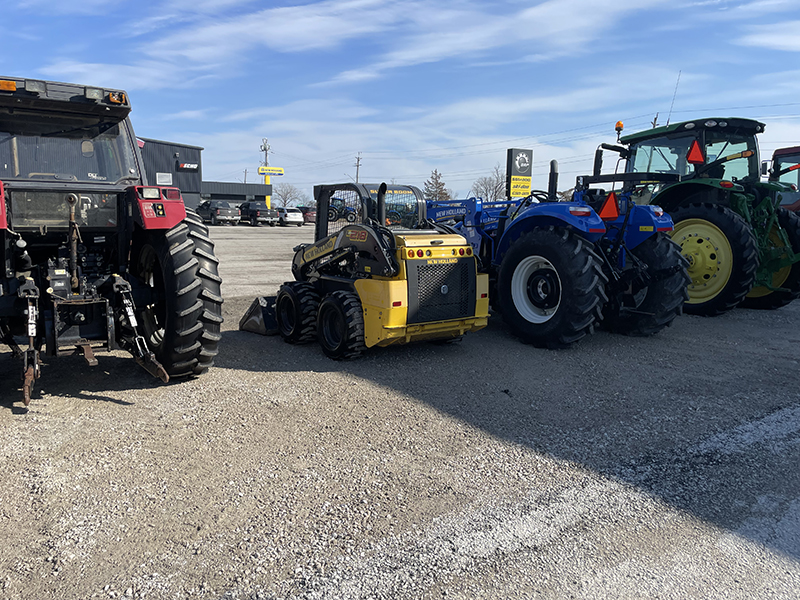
388,276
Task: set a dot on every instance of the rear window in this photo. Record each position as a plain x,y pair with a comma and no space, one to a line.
220,204
293,210
258,205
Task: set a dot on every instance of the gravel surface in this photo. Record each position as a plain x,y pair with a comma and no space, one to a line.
663,467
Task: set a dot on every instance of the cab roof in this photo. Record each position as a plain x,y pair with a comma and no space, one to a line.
715,123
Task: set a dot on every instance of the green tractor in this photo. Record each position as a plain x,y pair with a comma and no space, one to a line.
743,248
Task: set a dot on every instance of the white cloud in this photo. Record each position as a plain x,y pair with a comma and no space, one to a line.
776,36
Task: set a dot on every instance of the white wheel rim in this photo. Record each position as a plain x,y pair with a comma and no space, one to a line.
519,289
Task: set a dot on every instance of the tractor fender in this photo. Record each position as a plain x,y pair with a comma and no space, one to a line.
164,212
550,214
643,222
679,194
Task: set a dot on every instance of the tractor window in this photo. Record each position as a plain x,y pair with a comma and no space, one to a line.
402,210
344,208
57,147
51,210
661,155
720,145
784,162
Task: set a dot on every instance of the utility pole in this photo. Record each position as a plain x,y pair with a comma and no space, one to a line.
358,165
265,149
245,175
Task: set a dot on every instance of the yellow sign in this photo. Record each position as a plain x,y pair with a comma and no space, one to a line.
520,186
645,228
270,170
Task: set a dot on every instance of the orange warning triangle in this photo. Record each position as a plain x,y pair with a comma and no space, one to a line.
610,210
695,155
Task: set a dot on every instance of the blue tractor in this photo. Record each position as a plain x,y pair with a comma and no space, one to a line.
558,269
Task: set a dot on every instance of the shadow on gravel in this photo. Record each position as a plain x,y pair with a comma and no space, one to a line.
71,377
702,416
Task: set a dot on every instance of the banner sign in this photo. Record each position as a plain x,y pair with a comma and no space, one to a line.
270,170
519,163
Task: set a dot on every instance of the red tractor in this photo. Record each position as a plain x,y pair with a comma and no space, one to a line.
93,257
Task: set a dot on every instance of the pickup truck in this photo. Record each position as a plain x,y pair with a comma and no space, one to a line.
218,211
256,212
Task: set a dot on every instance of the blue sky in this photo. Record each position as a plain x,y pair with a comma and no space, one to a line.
414,85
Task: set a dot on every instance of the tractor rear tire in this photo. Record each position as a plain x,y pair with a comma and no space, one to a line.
722,253
296,312
788,277
182,324
657,305
551,288
210,292
340,325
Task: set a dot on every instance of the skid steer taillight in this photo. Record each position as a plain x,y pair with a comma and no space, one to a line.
410,254
580,211
658,211
172,194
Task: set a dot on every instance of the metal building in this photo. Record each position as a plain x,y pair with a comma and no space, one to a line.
168,163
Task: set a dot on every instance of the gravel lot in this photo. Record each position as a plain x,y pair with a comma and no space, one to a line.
664,467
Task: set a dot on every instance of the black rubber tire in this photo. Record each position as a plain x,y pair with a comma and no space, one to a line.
211,291
744,251
299,224
340,325
351,217
182,326
214,220
282,223
272,223
662,300
253,222
296,312
573,285
790,222
333,214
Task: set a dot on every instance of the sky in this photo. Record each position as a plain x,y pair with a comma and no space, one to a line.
410,86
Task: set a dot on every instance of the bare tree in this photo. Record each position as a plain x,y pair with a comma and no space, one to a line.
491,187
285,194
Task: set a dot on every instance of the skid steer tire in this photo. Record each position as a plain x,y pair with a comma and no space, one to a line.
656,306
181,325
340,325
722,253
551,288
296,312
788,277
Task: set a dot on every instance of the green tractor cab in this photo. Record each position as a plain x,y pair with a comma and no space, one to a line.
742,245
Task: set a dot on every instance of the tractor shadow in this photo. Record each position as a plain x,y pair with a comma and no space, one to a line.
71,377
686,416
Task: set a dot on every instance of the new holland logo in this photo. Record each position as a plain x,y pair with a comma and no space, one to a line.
522,162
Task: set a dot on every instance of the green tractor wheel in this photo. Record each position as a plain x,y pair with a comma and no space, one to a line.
788,276
722,254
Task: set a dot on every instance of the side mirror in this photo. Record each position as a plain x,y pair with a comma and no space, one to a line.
765,167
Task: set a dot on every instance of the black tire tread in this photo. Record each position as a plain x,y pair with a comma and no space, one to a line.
581,305
306,300
745,250
665,298
353,344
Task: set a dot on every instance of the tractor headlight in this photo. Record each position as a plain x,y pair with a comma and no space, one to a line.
151,193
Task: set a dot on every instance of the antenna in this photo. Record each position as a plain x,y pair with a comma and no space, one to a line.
675,93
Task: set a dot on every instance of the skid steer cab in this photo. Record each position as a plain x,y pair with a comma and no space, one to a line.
379,273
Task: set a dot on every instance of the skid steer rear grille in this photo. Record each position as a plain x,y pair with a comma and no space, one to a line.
440,292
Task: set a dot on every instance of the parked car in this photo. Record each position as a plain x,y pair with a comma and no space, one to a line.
256,212
290,216
218,211
309,214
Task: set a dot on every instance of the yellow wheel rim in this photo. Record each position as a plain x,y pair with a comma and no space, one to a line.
710,258
780,276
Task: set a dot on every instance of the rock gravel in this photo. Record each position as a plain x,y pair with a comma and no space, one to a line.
663,467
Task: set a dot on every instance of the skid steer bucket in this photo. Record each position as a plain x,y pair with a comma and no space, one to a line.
260,317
